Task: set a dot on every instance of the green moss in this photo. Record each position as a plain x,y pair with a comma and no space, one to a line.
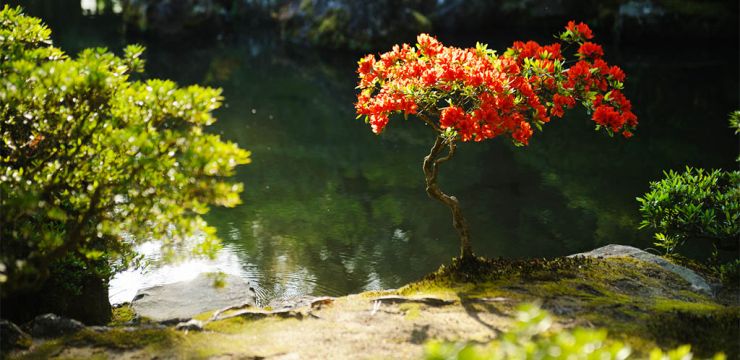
125,339
44,351
377,293
229,326
117,339
122,315
665,305
432,289
640,303
204,316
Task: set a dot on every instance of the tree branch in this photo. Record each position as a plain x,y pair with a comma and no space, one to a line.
431,170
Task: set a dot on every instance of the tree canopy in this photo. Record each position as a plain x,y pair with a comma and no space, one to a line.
94,159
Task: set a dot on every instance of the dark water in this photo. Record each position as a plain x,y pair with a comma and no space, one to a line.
329,208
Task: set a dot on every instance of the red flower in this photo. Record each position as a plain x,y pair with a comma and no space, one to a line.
559,103
605,115
581,29
528,49
500,97
590,50
365,65
523,133
378,122
616,73
429,45
553,49
451,116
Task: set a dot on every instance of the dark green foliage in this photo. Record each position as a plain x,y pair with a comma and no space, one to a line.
729,272
695,205
735,121
93,161
76,288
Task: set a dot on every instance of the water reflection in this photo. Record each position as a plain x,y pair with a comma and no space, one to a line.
124,285
331,209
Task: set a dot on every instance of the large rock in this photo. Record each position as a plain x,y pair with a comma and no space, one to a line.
181,301
12,337
52,325
697,282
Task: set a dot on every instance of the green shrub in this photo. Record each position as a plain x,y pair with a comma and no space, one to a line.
94,160
729,273
697,204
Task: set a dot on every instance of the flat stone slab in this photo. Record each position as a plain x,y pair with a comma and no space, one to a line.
697,282
181,301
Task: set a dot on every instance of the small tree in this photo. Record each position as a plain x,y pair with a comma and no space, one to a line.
476,94
93,161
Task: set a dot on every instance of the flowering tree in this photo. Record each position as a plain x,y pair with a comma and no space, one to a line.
476,94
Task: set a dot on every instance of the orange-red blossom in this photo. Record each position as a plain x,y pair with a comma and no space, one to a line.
476,94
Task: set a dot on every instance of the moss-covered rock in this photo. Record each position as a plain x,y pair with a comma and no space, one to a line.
123,314
639,303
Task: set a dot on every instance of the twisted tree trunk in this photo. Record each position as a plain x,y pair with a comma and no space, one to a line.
431,168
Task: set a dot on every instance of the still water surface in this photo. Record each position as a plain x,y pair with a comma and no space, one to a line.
331,209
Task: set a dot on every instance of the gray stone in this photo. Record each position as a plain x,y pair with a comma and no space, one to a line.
12,337
52,325
698,283
179,302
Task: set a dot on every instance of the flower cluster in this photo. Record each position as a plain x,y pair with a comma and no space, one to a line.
477,94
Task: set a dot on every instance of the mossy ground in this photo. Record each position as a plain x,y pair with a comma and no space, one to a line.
638,303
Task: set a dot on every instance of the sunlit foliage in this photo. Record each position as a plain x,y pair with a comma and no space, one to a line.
696,204
532,337
94,160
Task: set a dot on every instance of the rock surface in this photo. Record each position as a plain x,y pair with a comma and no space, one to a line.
697,282
52,325
181,301
12,337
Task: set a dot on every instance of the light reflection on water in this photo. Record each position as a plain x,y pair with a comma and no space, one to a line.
285,281
124,285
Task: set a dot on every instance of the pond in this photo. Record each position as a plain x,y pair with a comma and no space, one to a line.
331,209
